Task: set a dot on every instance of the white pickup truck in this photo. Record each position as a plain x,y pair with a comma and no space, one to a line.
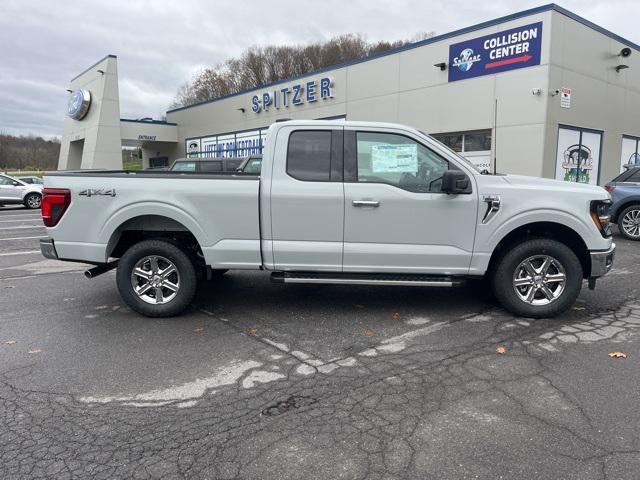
336,202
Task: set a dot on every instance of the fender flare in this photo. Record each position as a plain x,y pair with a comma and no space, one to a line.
144,209
539,216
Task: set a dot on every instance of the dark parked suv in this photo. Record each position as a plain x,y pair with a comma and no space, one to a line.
625,210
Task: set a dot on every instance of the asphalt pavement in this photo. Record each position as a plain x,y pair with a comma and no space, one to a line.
261,380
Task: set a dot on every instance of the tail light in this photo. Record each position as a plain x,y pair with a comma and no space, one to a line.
601,217
55,202
609,188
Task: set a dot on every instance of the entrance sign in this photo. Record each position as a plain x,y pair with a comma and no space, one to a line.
499,52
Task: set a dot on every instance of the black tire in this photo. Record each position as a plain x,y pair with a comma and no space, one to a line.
508,265
33,201
186,278
628,230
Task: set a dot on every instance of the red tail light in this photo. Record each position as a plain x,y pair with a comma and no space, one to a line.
609,188
55,202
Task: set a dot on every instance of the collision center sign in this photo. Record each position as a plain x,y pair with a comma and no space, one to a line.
499,52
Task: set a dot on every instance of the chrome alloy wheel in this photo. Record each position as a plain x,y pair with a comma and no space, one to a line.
631,223
155,280
539,280
34,201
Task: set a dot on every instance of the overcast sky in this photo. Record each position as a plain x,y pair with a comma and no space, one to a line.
161,44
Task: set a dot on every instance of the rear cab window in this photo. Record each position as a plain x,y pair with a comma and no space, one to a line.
315,155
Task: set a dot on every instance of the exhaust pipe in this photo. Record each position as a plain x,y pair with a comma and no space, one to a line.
100,269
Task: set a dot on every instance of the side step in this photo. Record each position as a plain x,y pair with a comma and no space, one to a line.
366,279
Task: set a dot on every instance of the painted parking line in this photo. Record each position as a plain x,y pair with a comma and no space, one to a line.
22,238
17,220
27,252
22,227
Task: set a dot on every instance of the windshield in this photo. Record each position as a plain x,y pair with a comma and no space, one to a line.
466,161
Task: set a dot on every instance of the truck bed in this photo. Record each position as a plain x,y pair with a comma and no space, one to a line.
220,210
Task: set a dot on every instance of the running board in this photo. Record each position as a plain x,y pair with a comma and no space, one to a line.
365,279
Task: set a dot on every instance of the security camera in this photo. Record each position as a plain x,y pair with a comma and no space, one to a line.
625,52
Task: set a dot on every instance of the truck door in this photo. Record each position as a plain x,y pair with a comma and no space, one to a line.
307,199
396,217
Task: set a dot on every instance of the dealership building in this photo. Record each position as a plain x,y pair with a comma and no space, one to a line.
541,92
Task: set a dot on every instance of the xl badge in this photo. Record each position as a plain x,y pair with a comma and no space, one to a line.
90,192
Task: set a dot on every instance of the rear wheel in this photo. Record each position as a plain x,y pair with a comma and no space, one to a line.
33,200
538,278
156,278
629,222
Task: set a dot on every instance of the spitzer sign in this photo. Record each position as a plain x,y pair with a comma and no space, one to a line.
499,52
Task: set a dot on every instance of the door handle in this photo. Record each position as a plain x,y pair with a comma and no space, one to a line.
365,203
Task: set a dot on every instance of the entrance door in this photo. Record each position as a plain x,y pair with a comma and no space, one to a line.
158,162
307,199
396,217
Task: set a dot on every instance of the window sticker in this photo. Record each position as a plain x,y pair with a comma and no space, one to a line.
394,158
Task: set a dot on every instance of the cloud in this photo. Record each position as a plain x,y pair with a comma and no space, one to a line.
161,44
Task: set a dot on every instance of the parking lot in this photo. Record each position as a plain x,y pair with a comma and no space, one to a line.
261,380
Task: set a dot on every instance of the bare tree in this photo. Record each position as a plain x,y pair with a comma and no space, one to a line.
260,65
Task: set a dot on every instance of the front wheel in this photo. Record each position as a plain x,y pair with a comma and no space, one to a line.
33,200
156,279
538,278
629,222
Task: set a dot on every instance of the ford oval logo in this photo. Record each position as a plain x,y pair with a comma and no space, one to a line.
79,103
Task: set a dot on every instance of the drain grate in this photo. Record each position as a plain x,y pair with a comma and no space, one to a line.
283,406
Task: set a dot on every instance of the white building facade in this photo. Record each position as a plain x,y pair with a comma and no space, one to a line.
542,92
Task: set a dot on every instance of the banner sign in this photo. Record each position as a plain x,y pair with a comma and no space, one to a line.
499,52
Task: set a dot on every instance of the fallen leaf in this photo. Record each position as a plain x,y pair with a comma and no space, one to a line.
251,330
618,355
35,350
9,342
501,350
368,332
198,329
395,316
579,308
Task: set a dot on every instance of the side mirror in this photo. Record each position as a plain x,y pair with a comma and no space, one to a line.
455,182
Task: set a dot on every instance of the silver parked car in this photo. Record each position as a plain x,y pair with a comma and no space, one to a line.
15,191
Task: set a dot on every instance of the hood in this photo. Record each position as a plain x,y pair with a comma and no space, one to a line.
557,185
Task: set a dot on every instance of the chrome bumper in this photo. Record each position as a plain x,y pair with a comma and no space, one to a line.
48,248
601,262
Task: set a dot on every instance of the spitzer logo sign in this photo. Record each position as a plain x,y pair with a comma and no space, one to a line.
498,52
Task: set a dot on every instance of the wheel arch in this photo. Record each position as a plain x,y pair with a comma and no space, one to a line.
552,230
143,227
620,208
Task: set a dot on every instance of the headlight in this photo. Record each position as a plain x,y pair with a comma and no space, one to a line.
601,217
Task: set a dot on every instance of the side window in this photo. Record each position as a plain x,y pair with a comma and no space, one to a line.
4,181
399,161
209,167
309,155
184,167
635,176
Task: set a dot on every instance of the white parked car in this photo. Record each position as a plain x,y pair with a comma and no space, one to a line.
15,191
340,203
